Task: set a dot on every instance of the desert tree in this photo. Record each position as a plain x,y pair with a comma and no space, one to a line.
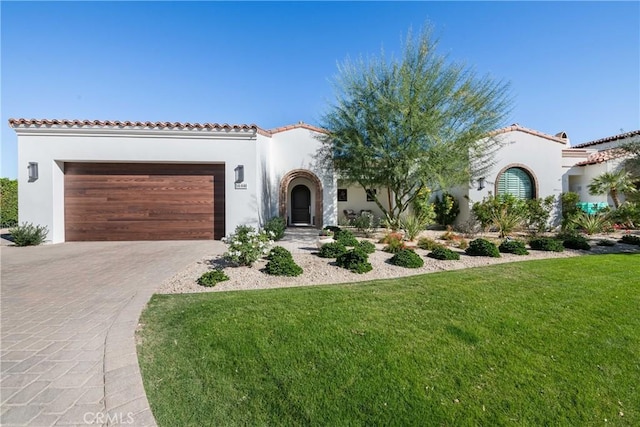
409,123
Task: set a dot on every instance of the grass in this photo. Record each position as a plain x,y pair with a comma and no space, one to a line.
549,342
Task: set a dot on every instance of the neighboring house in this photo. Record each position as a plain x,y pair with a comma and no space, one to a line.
583,162
112,180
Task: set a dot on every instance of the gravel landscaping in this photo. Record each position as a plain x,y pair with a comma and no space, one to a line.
324,271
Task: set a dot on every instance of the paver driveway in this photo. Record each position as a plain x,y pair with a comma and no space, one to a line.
69,314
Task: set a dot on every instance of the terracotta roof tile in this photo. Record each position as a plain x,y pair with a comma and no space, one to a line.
129,124
300,125
602,156
517,128
608,139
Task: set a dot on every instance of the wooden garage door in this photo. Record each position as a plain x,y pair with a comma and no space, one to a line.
136,201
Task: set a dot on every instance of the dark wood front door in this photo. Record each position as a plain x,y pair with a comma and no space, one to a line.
301,205
111,201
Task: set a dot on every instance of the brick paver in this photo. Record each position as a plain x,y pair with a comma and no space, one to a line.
69,314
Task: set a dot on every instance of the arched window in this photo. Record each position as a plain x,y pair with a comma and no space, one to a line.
516,181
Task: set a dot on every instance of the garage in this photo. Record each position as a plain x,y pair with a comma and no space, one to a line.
143,201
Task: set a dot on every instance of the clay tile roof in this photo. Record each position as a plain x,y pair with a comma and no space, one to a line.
129,124
518,128
300,125
602,156
609,139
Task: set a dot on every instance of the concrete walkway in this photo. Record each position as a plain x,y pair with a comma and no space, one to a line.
69,314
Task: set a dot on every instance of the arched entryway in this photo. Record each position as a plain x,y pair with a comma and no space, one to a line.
301,198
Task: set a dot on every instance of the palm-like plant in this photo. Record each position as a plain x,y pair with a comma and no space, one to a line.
613,184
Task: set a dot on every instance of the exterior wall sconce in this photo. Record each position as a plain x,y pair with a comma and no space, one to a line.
239,173
33,171
480,183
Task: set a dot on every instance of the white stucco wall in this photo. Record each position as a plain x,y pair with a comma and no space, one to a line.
357,201
42,202
296,149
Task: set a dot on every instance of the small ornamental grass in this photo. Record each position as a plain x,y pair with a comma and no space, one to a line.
355,260
332,250
366,246
428,244
212,278
547,244
630,239
281,263
407,258
246,245
576,242
28,234
444,254
513,247
394,243
482,247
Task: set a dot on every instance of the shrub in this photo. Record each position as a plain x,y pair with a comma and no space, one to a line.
482,247
546,244
446,208
505,212
630,239
281,263
276,225
332,250
422,208
407,258
590,224
345,237
246,245
444,254
366,246
28,234
326,233
569,205
513,247
428,244
463,244
212,278
355,260
538,212
395,243
627,214
576,242
391,236
412,226
605,242
332,228
8,202
365,223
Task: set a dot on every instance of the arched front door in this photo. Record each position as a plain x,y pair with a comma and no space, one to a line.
301,205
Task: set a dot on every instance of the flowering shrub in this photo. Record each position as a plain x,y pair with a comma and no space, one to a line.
246,245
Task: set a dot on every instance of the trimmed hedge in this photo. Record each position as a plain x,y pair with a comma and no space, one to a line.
281,263
444,254
355,260
576,242
366,246
8,202
407,258
345,237
630,239
546,244
513,247
332,250
482,247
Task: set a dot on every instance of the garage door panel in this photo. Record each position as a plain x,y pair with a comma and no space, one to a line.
143,201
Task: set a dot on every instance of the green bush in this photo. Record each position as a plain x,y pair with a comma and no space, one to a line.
627,215
606,242
281,263
345,237
446,208
211,278
394,246
365,223
428,244
334,229
444,254
505,212
332,250
407,258
366,246
590,223
630,239
576,242
513,247
482,247
276,225
546,244
538,213
28,234
246,245
355,260
569,203
8,202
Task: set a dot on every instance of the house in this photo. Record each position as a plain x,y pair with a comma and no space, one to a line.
122,180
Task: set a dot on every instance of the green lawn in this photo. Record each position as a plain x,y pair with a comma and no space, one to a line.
550,342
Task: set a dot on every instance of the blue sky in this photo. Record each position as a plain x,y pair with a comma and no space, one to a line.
573,66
